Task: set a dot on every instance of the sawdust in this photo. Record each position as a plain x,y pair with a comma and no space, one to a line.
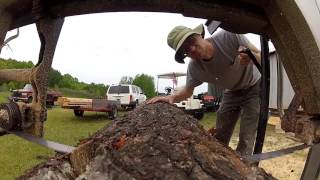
288,167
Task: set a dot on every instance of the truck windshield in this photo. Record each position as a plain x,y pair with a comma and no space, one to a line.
118,89
28,87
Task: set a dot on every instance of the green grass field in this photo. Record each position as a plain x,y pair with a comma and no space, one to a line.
4,96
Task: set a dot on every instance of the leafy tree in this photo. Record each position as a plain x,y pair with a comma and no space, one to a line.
14,85
99,90
68,82
54,77
14,64
126,80
146,83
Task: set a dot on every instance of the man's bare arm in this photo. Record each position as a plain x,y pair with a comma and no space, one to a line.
178,96
183,94
255,51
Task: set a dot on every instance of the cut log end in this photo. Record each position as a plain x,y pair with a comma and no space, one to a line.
156,141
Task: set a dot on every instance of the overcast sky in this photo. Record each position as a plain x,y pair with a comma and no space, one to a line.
101,48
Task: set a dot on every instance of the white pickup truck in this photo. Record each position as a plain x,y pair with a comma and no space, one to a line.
128,95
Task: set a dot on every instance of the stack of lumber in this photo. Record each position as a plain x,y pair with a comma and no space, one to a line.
67,102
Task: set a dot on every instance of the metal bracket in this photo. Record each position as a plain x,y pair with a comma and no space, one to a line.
311,169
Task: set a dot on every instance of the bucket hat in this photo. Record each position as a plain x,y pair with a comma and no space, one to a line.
178,35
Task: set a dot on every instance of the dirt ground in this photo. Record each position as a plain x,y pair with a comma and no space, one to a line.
287,167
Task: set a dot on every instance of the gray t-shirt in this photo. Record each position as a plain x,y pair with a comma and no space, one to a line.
224,70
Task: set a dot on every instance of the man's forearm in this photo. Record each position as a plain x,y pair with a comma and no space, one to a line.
177,98
256,52
258,56
182,95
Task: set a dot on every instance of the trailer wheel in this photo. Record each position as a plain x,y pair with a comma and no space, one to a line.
113,114
78,113
49,104
29,99
198,114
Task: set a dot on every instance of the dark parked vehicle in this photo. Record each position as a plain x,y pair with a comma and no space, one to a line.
210,103
25,95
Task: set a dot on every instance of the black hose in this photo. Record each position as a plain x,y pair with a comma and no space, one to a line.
252,57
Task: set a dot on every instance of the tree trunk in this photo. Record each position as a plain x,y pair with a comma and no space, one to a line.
156,141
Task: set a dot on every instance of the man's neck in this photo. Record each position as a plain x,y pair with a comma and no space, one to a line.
210,50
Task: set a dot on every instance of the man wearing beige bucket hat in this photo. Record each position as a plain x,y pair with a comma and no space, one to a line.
218,60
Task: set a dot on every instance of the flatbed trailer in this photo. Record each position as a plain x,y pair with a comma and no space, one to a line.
80,105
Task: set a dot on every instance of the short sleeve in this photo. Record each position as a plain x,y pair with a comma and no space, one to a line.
242,40
235,39
191,80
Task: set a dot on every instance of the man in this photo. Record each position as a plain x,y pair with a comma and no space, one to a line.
218,60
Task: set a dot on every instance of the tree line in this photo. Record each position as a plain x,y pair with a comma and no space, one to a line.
71,85
145,82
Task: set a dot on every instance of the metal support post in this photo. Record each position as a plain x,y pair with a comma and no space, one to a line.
265,83
311,169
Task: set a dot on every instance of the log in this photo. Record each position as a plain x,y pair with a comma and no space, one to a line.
155,141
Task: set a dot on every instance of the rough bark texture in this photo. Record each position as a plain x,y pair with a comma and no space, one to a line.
156,141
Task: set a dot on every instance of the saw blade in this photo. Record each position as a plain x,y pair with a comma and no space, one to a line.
61,148
273,154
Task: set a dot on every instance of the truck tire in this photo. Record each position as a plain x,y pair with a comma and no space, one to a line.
133,106
78,113
136,104
113,113
198,114
49,104
29,99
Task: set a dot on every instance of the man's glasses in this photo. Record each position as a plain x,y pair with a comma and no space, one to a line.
187,44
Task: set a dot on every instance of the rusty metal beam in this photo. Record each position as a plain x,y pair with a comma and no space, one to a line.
19,75
298,50
312,166
238,16
49,30
308,129
304,126
289,120
5,22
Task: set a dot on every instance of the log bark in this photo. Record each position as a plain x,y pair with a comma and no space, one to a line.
156,141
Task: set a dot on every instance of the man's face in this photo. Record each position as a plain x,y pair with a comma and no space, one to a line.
193,47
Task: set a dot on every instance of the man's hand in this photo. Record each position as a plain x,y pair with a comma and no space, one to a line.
178,96
244,59
167,99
